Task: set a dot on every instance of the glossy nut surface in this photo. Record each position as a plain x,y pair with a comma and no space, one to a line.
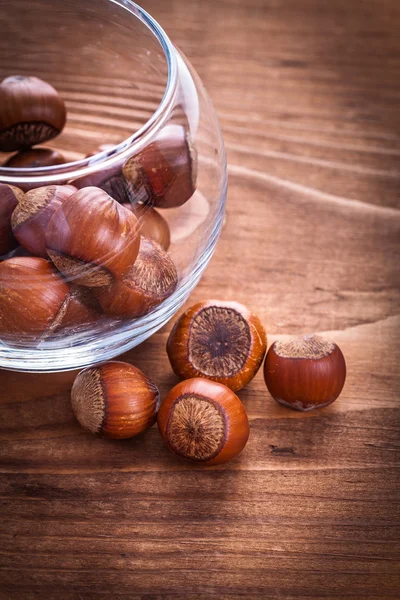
164,174
31,112
222,341
150,281
203,421
82,309
109,180
152,224
9,197
92,239
305,373
32,216
31,295
115,400
79,308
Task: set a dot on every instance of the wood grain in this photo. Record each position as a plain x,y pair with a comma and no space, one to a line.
308,96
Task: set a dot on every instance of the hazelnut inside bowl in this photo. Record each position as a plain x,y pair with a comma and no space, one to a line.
107,135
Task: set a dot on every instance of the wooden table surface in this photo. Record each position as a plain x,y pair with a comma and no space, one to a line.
308,94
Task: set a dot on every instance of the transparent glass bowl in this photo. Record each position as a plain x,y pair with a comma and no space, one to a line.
125,85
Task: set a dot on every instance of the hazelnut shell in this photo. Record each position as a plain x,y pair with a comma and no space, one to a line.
9,198
152,224
92,239
203,421
31,112
32,216
305,373
79,309
150,281
115,400
31,295
222,341
109,180
164,174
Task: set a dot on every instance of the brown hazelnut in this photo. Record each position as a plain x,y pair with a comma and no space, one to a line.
116,188
31,295
92,239
110,181
9,198
150,281
35,158
305,373
79,308
203,421
164,174
115,400
222,341
32,216
152,224
18,192
31,112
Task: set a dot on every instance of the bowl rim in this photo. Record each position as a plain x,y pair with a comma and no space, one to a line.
110,159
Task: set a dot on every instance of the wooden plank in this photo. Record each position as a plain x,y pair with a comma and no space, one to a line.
307,92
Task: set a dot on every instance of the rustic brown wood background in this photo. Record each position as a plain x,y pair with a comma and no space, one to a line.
308,95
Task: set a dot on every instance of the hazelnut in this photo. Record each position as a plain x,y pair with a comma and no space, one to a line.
305,372
31,112
152,224
18,192
35,158
92,239
32,216
115,400
9,198
203,421
31,295
150,281
79,308
164,174
222,341
110,181
116,187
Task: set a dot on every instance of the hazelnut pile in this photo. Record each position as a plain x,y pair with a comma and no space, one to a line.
95,248
216,348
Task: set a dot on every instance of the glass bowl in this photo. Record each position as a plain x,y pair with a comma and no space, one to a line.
141,128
